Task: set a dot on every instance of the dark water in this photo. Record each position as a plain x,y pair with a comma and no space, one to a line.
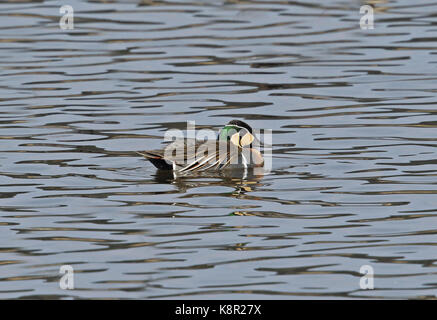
354,174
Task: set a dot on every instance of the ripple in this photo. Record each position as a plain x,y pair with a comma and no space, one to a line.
353,180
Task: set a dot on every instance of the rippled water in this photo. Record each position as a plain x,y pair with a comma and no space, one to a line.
353,182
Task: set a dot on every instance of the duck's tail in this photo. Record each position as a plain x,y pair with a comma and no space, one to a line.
157,160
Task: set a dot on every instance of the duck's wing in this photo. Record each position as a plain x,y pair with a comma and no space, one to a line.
211,154
187,155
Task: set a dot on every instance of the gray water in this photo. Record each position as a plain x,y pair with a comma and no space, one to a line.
353,180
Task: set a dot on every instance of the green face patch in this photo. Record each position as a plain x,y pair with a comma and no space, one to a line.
227,132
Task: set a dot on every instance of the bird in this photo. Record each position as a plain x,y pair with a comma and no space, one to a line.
233,148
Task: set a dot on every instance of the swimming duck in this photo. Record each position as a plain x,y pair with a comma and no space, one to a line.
233,148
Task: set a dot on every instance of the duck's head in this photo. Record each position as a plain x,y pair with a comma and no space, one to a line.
238,133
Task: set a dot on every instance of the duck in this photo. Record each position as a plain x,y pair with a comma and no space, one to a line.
233,148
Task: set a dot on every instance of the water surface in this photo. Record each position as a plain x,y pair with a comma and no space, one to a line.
353,181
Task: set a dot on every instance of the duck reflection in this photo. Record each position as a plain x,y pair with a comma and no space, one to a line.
243,181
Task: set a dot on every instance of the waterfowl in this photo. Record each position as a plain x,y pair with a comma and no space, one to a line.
233,148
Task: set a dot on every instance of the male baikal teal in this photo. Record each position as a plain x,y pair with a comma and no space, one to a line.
233,148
